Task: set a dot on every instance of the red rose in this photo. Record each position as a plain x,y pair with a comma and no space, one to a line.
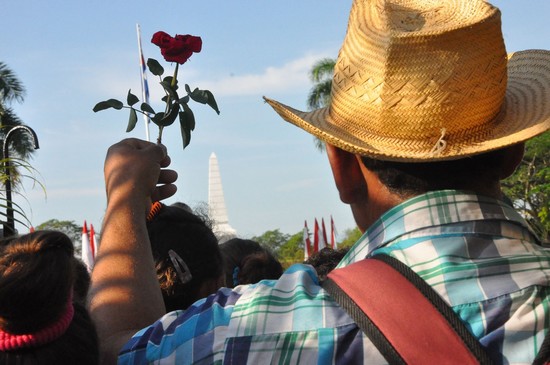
177,49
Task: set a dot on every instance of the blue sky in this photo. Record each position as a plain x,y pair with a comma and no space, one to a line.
70,55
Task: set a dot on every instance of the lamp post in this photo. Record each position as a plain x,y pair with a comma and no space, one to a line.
9,225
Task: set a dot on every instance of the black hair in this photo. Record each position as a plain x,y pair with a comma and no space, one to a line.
325,260
406,178
38,272
177,229
247,262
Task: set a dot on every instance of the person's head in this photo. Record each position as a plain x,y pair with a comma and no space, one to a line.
247,262
419,85
326,260
186,254
42,316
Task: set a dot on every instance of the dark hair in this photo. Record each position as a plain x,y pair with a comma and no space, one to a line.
177,229
37,277
416,178
247,262
325,260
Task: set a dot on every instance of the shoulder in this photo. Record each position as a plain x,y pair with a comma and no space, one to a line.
202,329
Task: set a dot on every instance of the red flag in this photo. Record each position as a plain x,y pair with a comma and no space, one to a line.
316,237
323,242
93,241
87,252
333,234
307,242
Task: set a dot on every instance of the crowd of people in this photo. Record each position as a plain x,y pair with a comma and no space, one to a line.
428,113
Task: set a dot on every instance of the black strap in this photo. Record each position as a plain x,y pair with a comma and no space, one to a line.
379,340
543,357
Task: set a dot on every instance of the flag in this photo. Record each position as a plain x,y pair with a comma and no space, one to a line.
307,242
144,84
333,234
316,237
87,252
31,229
323,242
93,241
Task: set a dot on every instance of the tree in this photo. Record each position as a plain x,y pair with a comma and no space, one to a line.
21,146
273,240
319,95
70,228
529,187
292,251
351,236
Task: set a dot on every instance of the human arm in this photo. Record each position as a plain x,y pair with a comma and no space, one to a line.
125,295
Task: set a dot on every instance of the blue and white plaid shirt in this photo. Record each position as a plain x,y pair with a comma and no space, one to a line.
476,252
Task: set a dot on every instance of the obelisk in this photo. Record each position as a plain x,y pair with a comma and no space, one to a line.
216,203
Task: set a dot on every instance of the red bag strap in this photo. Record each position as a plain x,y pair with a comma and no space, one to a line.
402,315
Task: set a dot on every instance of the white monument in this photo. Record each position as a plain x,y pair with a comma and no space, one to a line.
216,203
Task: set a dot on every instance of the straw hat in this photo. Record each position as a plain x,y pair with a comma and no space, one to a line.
421,80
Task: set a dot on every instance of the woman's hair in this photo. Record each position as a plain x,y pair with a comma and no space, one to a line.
247,262
38,272
175,229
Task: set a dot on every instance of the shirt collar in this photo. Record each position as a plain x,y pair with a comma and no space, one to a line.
428,210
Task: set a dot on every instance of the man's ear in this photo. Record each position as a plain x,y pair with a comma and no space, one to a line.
511,159
348,176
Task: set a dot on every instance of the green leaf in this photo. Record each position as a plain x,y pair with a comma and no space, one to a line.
205,97
111,103
147,108
131,99
155,67
185,127
157,118
168,119
212,101
169,89
199,96
132,120
189,116
184,100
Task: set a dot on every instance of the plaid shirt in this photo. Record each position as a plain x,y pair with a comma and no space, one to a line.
476,252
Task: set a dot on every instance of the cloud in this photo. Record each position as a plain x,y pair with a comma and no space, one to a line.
291,76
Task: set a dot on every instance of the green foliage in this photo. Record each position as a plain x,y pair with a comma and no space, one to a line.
21,145
350,237
176,106
292,251
273,240
19,169
529,187
319,95
70,228
289,249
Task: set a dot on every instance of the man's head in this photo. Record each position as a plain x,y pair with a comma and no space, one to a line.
426,82
422,81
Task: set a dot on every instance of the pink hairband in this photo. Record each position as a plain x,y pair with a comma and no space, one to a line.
10,342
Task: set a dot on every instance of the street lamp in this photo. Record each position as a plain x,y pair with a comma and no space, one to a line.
9,225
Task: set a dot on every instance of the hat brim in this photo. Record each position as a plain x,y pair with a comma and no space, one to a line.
525,113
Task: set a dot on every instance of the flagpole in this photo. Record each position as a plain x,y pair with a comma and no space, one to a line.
144,86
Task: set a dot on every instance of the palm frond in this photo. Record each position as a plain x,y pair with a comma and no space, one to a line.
10,87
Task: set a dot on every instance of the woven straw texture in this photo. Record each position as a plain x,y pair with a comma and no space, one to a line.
423,80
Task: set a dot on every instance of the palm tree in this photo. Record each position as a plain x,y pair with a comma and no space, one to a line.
11,89
20,149
319,95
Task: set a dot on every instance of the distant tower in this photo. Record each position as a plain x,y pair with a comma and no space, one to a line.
216,202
